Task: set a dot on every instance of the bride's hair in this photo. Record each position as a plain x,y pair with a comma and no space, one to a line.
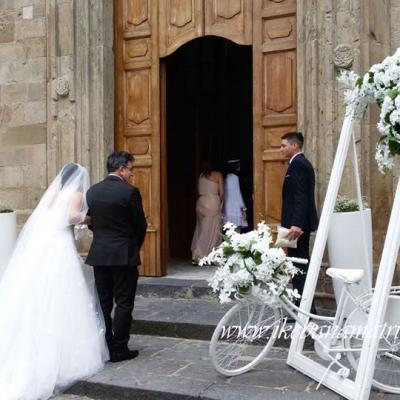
67,172
73,174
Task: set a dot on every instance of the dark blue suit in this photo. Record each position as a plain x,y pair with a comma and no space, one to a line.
119,228
298,209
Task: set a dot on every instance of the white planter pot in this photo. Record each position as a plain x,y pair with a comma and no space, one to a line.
346,248
8,235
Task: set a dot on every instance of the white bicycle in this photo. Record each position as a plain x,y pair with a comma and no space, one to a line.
249,329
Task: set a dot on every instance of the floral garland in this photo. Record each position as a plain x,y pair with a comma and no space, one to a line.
381,84
249,266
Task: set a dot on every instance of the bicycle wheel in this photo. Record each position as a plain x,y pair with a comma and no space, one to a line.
387,363
243,336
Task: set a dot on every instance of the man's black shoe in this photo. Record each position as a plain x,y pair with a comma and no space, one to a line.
126,355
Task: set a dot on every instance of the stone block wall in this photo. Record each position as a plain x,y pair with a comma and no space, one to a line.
56,93
23,111
333,35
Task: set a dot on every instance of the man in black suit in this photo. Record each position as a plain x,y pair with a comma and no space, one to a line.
119,227
299,213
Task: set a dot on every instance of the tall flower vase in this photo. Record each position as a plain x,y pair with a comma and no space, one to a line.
8,235
349,247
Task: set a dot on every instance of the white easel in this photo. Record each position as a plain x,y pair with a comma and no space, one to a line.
358,389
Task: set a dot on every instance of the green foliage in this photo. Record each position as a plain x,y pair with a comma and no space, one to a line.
392,93
344,204
394,145
359,82
243,289
370,77
4,209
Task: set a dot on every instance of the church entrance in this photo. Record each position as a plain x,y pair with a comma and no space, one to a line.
208,84
186,75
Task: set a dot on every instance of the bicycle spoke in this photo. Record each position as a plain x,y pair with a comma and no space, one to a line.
242,335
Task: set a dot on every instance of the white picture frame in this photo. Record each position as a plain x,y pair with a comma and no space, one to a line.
360,387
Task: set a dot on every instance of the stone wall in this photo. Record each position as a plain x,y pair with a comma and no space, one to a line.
80,84
56,93
23,111
333,35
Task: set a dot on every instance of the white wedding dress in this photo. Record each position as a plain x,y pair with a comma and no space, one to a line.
233,202
51,331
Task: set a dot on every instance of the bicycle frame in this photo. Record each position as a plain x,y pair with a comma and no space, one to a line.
337,322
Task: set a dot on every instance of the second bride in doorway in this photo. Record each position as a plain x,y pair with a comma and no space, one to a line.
208,211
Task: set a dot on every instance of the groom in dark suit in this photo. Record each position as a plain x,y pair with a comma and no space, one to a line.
299,213
119,227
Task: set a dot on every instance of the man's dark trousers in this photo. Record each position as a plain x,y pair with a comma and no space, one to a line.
119,282
302,251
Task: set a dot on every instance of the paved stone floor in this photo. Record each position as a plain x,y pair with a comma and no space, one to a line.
170,368
183,269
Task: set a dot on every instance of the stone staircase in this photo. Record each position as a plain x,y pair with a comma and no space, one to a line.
176,308
173,323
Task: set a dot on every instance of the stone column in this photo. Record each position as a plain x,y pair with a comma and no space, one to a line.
94,60
333,35
60,85
80,84
375,46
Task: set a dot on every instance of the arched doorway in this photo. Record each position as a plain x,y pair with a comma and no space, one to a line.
146,31
208,115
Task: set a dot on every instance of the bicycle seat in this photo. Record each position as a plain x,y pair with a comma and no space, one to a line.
346,275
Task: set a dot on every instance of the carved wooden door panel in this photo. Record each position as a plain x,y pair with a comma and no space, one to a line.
179,22
274,99
137,111
231,19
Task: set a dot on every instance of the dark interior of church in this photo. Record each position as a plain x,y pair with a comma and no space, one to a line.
208,116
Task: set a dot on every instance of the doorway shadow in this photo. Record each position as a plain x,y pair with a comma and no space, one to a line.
208,116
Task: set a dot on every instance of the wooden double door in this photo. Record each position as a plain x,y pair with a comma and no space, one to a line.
148,30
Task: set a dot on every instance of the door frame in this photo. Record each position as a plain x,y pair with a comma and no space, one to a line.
143,28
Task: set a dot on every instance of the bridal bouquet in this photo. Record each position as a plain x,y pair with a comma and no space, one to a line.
248,265
381,84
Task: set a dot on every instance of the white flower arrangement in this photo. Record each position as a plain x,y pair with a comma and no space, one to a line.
381,84
248,265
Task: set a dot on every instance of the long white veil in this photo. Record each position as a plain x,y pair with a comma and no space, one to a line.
52,328
63,204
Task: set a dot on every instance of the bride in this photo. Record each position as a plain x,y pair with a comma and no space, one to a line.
52,331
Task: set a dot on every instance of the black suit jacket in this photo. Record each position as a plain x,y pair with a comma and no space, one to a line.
118,223
298,200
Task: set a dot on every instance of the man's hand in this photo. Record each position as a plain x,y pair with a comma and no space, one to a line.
294,233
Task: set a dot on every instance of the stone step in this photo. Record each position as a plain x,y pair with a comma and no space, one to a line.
175,288
180,318
66,396
171,368
186,318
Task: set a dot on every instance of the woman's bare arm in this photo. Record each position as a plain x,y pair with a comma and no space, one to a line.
75,206
221,186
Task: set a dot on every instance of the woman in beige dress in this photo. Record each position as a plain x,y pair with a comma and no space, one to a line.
208,211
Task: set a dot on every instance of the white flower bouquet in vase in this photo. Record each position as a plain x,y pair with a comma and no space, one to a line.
248,265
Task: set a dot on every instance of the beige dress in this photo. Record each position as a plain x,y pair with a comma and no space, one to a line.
208,211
